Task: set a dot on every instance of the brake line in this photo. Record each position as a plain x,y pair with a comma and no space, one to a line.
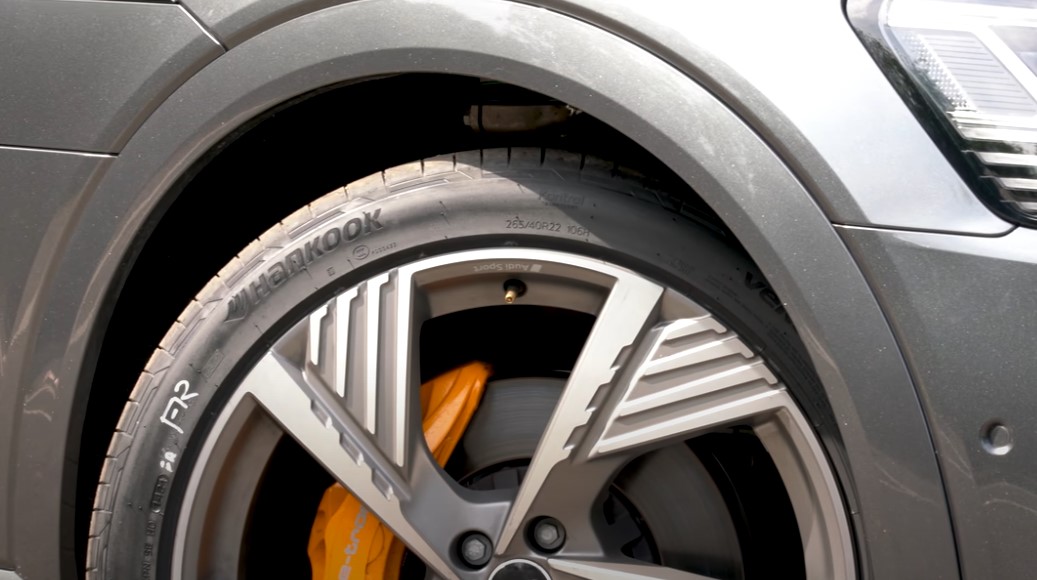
346,541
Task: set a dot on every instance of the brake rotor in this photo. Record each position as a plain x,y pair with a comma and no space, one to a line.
663,507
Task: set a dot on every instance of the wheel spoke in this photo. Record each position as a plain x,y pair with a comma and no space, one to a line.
600,570
629,309
359,347
341,445
350,403
690,375
666,381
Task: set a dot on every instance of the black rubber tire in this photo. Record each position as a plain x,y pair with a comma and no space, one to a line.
493,198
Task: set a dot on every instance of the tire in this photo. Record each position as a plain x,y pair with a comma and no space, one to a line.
519,200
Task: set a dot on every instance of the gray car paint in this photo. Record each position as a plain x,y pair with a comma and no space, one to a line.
30,235
963,309
897,481
758,197
82,76
235,21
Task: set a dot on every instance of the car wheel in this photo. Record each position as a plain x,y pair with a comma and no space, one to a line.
650,398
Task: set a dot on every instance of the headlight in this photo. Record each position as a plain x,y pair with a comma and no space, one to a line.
976,63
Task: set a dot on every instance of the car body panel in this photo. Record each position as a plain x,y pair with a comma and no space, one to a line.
963,310
832,116
32,234
82,76
235,21
887,444
802,111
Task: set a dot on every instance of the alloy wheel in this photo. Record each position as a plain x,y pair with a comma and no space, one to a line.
656,369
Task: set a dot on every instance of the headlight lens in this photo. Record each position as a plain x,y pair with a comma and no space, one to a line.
976,61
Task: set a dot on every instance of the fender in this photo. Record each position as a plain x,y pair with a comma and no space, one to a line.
792,108
898,503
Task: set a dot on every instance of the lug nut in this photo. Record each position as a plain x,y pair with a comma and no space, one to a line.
513,289
476,550
548,534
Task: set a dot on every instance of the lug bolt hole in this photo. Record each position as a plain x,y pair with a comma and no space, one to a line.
475,549
546,534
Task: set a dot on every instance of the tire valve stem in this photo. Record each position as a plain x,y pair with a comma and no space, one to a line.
513,289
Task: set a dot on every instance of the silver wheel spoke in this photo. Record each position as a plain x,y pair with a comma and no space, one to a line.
629,308
599,570
639,383
690,375
351,402
342,447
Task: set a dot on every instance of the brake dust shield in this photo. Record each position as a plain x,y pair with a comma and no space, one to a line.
348,542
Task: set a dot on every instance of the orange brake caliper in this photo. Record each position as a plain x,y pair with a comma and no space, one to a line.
348,542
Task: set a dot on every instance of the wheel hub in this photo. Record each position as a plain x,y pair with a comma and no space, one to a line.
519,569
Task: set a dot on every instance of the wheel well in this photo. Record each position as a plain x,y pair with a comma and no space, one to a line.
287,158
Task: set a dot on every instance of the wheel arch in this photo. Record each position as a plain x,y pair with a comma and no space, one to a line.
664,111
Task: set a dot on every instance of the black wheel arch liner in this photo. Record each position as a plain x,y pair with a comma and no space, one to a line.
898,504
